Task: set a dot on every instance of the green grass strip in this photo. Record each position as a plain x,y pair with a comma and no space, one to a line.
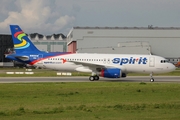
97,100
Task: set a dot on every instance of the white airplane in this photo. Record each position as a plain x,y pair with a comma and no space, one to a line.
104,65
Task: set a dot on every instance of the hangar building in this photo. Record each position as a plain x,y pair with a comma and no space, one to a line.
162,41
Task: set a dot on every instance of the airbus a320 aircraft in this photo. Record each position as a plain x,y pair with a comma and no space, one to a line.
104,65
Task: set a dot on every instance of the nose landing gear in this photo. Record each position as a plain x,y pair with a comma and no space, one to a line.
152,79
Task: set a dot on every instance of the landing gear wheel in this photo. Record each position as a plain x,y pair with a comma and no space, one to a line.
152,80
91,78
96,77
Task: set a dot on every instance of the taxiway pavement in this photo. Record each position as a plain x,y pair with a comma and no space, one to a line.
86,79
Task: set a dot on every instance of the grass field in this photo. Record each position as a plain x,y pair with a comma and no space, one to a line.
90,101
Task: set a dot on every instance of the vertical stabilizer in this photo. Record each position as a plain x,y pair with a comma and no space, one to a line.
21,42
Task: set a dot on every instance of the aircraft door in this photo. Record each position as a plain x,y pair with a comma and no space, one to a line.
151,62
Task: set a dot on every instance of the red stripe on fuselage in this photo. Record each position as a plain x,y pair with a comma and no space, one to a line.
35,61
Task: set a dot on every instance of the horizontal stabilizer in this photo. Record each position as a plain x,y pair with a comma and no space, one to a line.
23,58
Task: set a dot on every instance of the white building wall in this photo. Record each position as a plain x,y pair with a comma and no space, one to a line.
57,48
160,41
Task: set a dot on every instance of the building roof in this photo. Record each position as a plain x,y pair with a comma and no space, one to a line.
149,27
36,36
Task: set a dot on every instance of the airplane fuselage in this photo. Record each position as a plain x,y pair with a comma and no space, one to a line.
127,63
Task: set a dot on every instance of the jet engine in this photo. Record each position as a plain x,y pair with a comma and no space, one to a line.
112,73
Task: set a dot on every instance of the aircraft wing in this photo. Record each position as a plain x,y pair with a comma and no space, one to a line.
95,66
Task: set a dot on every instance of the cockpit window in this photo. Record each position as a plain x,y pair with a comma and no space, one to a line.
164,61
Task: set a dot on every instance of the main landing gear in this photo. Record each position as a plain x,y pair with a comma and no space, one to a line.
92,78
152,79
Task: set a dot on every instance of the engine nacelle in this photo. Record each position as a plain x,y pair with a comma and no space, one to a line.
112,73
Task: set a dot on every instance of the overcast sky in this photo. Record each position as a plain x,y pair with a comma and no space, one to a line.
59,16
